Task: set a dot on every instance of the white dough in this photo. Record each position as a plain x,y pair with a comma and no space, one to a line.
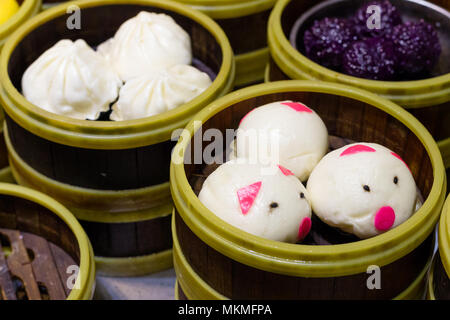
295,139
159,91
146,43
280,223
336,188
71,79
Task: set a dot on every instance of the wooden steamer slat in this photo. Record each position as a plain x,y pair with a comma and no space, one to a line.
20,265
44,267
7,291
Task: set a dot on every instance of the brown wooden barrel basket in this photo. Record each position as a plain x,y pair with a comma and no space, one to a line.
428,99
439,277
28,8
114,176
214,260
245,24
44,252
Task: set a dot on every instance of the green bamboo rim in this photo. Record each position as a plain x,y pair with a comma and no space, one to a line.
227,9
109,134
86,275
6,175
195,288
409,94
306,260
134,266
444,236
250,66
27,9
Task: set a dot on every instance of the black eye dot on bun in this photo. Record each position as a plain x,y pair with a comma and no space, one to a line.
302,195
395,179
366,188
274,205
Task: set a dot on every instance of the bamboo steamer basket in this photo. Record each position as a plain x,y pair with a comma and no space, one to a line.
42,244
428,100
114,176
28,8
439,278
216,260
245,24
47,4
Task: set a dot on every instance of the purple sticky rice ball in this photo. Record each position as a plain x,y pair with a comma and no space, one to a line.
416,46
327,39
372,58
389,17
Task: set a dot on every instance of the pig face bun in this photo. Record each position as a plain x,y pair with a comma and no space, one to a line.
266,201
285,132
362,188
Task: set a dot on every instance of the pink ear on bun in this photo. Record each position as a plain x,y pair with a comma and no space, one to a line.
357,149
285,171
247,196
299,107
400,158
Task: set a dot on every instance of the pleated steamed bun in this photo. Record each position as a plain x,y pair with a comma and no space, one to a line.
363,188
146,43
159,91
284,132
266,201
71,79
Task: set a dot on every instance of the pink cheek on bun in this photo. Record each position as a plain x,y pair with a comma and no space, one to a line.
247,196
299,107
304,228
384,218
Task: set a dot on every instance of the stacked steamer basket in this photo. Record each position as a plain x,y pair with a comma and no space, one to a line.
214,260
114,176
44,252
46,4
428,99
28,8
439,278
245,24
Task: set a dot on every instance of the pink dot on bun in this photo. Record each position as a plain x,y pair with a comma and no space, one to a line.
305,227
384,218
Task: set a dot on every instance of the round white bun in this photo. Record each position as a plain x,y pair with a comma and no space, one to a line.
363,188
71,79
146,43
266,201
285,132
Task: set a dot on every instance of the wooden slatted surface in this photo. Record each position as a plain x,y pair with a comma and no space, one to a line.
32,268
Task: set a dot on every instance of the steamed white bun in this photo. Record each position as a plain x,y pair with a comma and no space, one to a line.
362,188
159,91
146,43
286,133
71,79
266,201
